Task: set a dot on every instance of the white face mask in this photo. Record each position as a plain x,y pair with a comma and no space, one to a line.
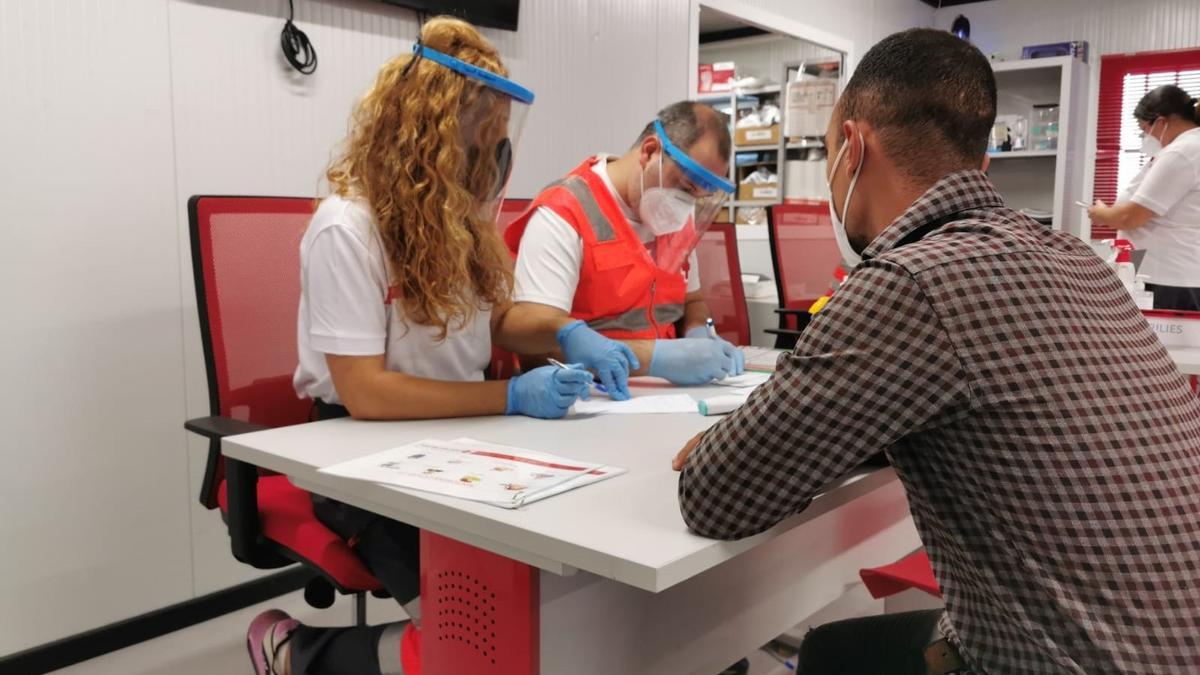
1151,144
664,210
849,255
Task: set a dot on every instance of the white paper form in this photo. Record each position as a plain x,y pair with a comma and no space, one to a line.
761,359
747,380
641,405
470,469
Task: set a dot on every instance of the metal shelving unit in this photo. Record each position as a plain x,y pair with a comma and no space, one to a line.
775,154
794,71
1044,180
744,99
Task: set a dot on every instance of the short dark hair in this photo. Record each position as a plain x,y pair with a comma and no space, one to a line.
687,122
1166,101
932,98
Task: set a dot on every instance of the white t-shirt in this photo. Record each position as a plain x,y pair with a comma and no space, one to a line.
551,253
344,309
1170,187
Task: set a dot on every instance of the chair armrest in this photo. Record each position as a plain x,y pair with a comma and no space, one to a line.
217,427
790,310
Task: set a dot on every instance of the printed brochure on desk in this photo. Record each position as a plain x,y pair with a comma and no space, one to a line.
495,474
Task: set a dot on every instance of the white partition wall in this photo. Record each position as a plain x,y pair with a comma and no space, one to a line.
94,487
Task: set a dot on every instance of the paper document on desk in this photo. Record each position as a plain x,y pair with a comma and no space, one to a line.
640,405
500,475
761,359
747,380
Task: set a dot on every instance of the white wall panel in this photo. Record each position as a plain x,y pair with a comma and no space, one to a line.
93,487
763,56
1110,26
863,21
246,123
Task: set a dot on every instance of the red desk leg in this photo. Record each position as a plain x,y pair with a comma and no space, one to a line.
479,611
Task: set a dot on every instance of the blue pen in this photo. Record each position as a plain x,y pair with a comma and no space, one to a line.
555,362
712,328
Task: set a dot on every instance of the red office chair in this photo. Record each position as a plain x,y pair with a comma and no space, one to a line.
721,282
911,571
246,263
509,210
805,256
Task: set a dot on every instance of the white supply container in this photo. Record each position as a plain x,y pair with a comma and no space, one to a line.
1175,329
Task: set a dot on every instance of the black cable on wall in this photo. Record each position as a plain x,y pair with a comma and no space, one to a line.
296,47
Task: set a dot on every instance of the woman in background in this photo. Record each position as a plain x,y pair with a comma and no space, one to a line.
1159,211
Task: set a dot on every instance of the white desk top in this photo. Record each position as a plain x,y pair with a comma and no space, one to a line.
1187,358
627,528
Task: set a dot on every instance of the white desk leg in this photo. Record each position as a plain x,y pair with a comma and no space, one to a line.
596,626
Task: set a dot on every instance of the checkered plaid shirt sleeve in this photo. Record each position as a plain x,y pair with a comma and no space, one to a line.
1048,445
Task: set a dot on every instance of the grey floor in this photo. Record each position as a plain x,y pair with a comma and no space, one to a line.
217,647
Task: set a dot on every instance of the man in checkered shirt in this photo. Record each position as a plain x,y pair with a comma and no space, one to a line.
1049,447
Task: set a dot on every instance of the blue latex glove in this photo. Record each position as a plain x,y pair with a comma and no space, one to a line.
739,359
547,392
692,360
611,360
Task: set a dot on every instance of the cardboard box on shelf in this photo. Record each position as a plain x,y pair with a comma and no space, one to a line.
715,77
756,135
757,191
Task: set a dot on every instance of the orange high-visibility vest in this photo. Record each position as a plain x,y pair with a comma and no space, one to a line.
622,293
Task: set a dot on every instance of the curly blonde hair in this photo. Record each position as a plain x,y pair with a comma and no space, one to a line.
421,152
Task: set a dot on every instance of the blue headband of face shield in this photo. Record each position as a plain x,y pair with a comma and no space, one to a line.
699,175
486,77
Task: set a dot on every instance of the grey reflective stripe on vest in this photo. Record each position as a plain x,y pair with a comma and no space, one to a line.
578,188
668,313
636,319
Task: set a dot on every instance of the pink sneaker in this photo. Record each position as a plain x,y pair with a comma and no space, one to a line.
268,633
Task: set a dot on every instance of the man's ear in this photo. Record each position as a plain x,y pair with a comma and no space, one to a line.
855,147
648,147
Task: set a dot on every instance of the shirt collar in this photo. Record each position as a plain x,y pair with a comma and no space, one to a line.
960,191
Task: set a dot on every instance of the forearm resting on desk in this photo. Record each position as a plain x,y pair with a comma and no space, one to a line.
372,392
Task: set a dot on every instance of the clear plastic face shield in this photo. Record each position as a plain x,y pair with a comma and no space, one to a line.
678,216
490,123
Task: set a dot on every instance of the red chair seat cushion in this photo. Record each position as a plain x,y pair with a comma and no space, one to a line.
285,514
913,571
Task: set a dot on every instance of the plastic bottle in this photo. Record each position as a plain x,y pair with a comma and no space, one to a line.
1124,263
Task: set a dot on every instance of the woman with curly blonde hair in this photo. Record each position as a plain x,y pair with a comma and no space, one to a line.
404,288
